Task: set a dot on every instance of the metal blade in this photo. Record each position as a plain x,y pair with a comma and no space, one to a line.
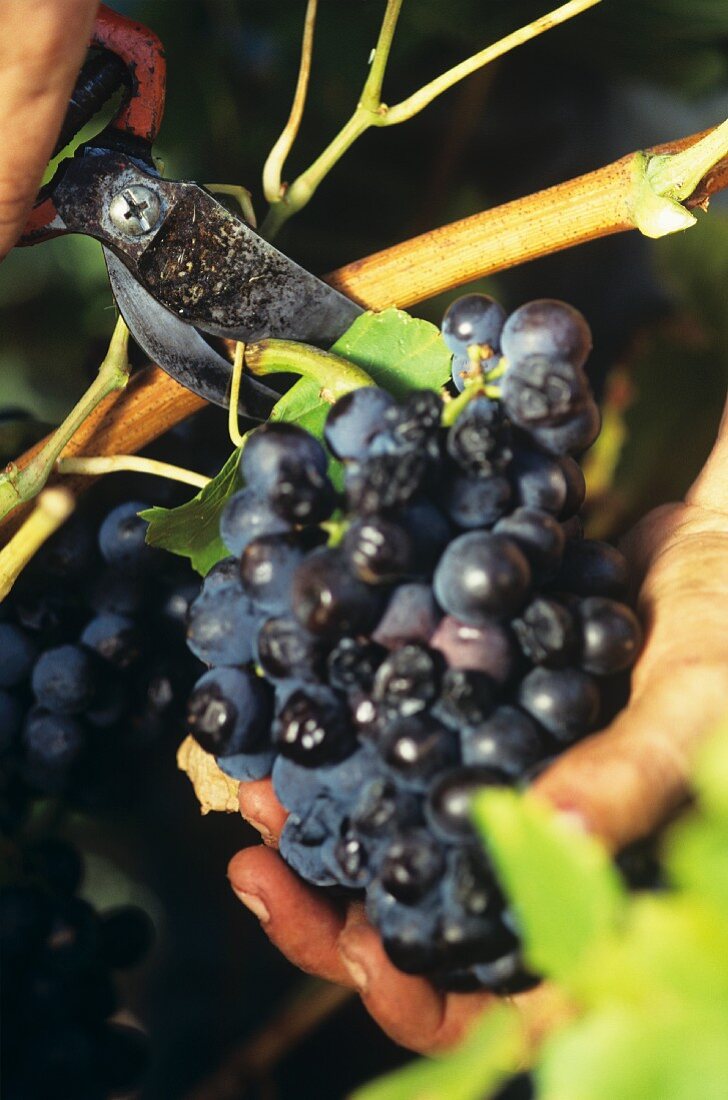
179,348
197,259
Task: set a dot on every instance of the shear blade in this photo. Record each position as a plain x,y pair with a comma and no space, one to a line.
179,348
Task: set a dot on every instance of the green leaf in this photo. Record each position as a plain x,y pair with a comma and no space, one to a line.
192,529
649,1052
564,889
401,353
302,405
493,1051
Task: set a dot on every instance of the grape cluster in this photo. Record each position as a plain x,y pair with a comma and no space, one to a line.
58,994
93,662
439,626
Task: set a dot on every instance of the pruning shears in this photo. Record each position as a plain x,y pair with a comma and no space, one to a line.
182,266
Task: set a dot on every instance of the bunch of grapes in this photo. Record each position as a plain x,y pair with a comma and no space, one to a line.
58,995
440,626
93,662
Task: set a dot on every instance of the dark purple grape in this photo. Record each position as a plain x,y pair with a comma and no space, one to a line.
547,633
122,538
507,741
416,749
592,568
328,600
285,651
473,319
245,517
487,648
574,436
467,697
538,392
476,441
546,327
475,502
229,711
313,727
411,615
115,638
564,701
482,576
449,800
411,866
65,679
538,535
18,653
408,679
610,635
378,550
354,421
267,566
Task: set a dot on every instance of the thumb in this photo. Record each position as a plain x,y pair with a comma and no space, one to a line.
42,46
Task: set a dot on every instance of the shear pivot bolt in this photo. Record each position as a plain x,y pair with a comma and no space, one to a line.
135,210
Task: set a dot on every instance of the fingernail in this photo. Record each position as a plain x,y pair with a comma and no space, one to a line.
356,971
254,903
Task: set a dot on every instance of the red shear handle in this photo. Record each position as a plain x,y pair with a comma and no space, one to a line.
139,116
143,54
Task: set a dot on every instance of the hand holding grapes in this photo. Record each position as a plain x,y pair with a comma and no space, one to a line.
42,46
621,783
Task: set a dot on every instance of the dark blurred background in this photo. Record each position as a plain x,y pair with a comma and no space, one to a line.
629,74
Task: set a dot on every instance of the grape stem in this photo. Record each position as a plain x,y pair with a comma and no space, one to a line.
236,436
334,376
94,465
370,111
18,485
53,508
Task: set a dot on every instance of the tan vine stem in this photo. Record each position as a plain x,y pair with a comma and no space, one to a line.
591,206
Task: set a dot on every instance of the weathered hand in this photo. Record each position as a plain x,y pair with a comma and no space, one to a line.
42,46
622,782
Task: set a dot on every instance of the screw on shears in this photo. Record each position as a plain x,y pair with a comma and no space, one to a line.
135,210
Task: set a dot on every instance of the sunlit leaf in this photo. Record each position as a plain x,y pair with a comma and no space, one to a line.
561,883
400,352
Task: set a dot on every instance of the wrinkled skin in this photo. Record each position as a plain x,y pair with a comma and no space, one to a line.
619,784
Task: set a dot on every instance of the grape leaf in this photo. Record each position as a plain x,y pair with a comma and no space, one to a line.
638,1052
563,887
400,352
302,405
192,529
493,1051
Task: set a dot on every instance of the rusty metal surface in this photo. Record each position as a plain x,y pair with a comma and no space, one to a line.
201,262
180,349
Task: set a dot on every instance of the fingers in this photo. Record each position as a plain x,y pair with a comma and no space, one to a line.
408,1009
625,781
261,809
42,46
302,923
